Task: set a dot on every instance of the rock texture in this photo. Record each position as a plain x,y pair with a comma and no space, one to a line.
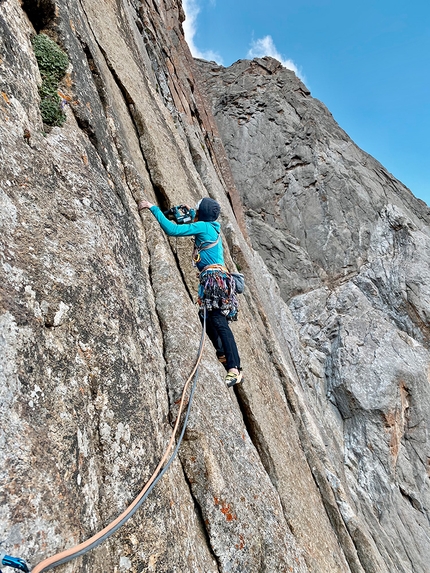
348,246
318,462
99,327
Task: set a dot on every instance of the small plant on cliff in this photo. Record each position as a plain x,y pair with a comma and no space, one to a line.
52,62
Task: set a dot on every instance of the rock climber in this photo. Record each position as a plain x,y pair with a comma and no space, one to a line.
217,291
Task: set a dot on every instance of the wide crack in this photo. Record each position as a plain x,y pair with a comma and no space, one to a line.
41,13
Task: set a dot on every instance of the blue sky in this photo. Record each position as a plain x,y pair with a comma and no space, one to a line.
367,61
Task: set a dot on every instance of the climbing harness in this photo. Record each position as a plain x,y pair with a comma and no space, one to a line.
239,278
217,290
110,529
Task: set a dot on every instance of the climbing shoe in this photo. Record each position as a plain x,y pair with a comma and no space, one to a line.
233,378
222,360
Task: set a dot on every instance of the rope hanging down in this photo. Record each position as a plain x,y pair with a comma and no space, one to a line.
110,529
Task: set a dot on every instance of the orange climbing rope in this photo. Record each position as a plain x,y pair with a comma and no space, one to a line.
102,535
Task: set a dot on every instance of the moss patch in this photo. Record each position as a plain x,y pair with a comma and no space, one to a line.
53,63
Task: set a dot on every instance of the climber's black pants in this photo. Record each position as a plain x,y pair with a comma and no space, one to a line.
218,330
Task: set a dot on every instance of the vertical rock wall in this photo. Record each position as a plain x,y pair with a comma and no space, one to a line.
348,246
99,331
99,328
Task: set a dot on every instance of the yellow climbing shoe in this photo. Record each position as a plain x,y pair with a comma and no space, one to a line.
233,378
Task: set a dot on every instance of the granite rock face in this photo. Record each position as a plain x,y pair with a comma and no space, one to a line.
348,246
298,470
99,328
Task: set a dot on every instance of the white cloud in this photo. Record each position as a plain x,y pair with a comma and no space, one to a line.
191,9
266,47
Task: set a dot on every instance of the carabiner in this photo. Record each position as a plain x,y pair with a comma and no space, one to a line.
15,562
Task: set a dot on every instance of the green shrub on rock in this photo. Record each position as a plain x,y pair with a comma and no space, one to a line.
53,63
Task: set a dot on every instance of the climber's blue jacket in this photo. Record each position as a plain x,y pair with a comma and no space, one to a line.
204,233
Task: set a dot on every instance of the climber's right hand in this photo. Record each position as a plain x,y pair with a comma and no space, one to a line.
144,205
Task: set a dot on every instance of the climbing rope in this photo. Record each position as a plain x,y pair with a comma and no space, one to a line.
110,529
